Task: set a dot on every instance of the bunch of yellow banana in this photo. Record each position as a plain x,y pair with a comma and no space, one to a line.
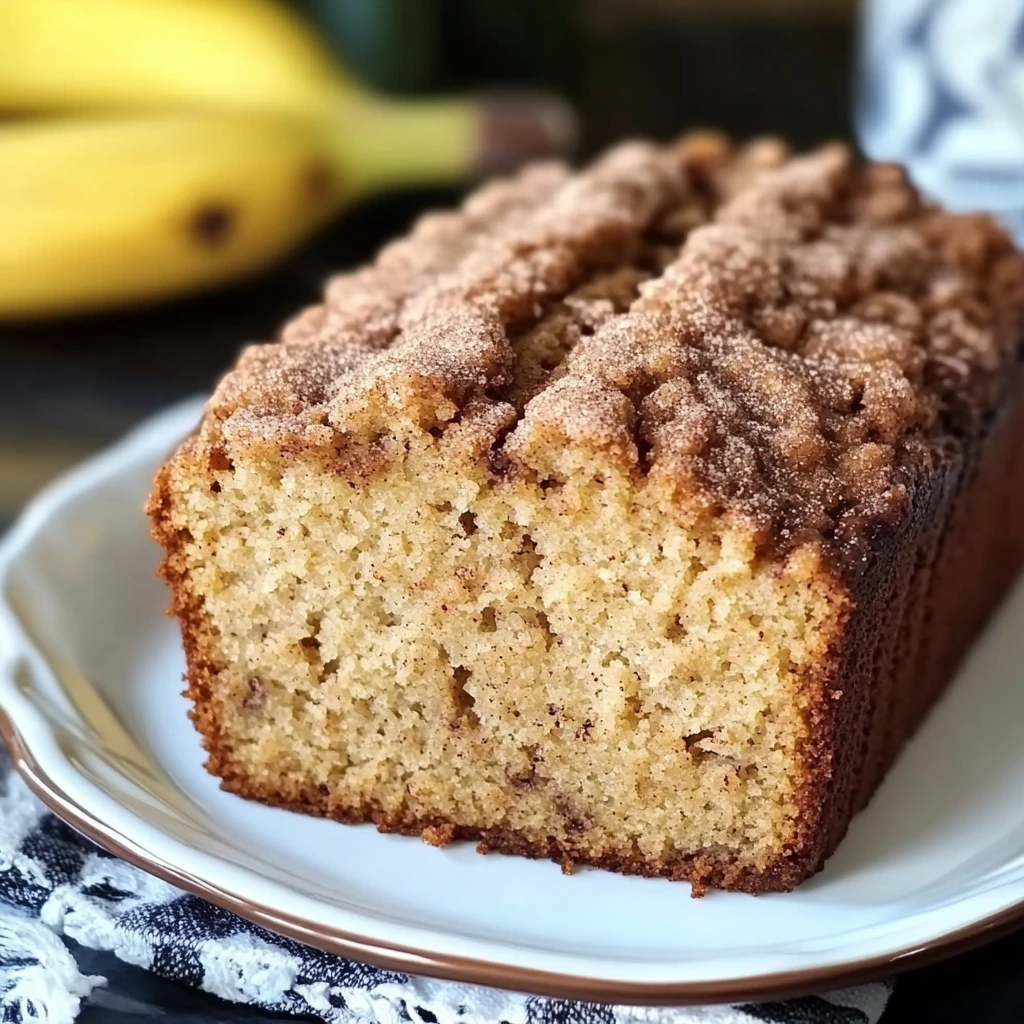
189,142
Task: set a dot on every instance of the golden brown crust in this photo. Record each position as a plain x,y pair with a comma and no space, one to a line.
187,607
706,869
929,586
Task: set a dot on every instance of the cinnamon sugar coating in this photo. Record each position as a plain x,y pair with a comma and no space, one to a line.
795,340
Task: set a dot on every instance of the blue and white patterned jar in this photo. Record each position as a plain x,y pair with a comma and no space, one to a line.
942,91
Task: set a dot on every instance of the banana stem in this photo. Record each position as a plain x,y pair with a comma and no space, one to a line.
382,145
386,143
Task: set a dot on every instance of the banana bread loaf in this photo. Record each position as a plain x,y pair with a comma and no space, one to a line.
632,517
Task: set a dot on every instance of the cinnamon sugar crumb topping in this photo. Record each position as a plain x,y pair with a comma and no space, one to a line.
790,338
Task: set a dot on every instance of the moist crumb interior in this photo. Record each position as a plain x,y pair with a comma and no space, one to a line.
557,661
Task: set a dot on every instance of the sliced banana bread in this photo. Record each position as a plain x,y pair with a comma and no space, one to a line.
632,517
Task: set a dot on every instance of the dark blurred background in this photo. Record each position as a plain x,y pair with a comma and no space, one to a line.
630,67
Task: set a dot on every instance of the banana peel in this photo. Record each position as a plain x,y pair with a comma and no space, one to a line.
187,143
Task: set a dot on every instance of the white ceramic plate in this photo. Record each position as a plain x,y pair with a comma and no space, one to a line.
89,685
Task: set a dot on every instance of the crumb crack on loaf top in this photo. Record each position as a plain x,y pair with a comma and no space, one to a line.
792,339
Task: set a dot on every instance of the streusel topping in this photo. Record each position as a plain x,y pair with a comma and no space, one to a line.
788,338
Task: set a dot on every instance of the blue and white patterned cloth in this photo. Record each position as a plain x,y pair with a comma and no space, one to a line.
942,91
54,882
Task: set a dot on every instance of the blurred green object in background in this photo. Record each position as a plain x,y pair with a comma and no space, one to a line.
421,45
393,44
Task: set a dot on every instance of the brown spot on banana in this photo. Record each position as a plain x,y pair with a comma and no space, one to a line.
212,223
318,181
